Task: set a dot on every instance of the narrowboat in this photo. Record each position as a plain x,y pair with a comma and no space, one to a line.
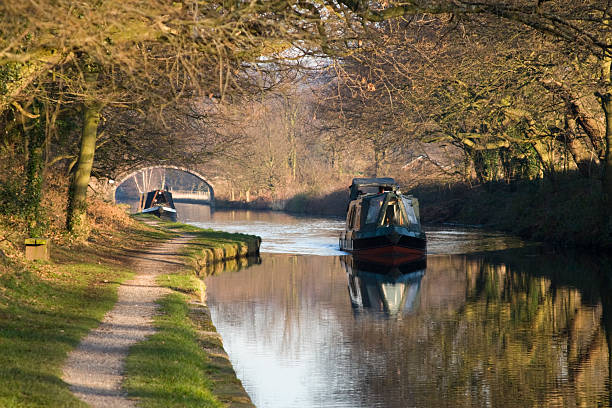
382,224
158,203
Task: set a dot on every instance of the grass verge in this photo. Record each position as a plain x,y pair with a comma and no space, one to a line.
44,312
208,247
183,364
169,369
47,307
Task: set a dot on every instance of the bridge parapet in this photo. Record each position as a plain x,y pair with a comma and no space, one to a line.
193,196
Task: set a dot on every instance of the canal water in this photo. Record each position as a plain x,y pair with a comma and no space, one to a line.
489,321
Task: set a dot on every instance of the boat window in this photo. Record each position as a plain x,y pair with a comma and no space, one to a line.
357,220
410,210
351,218
375,204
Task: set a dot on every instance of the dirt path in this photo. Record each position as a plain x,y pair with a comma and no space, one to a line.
94,369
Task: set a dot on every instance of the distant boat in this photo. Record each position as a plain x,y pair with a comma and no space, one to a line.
159,203
382,224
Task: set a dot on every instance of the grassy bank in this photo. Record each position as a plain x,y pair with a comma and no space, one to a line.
47,307
184,364
208,247
563,210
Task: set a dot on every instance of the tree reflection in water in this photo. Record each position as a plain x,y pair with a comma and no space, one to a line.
500,329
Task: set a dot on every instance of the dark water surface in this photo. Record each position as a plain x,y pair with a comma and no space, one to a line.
489,322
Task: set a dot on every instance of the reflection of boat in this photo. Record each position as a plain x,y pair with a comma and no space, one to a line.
159,203
382,224
389,289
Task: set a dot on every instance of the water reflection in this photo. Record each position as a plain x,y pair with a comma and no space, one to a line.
230,265
484,325
380,288
501,329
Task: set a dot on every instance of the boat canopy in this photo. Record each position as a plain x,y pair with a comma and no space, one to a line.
361,186
159,197
390,209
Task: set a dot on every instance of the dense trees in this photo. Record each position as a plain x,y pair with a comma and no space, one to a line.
502,59
521,89
148,55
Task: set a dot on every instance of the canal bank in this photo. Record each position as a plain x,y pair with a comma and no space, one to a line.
47,308
182,362
566,211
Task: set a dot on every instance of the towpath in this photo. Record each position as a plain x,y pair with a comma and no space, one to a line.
95,369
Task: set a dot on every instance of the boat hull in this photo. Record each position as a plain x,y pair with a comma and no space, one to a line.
164,213
391,249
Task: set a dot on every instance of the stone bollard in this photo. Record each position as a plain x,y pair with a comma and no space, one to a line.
37,249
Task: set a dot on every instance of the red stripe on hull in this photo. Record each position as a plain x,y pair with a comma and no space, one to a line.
390,255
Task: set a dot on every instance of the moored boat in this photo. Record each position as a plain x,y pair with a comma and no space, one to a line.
158,203
382,224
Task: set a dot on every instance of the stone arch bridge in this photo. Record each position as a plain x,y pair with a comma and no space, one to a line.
179,195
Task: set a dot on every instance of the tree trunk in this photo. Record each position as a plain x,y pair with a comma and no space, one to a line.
586,161
77,201
577,109
606,103
34,179
34,168
546,158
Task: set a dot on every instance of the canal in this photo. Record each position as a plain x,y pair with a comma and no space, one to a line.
489,321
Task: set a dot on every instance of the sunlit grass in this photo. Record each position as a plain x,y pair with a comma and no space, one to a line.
207,246
44,311
170,368
47,307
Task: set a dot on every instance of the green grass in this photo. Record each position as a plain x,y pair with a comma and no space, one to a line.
184,282
173,368
208,246
44,311
46,308
170,368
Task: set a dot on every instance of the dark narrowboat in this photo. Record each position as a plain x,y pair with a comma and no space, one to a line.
382,224
158,203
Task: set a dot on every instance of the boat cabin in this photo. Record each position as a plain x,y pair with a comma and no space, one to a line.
156,198
381,204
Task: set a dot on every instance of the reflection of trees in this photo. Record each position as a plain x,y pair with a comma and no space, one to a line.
500,329
520,339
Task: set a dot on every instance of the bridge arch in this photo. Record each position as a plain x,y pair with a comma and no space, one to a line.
123,177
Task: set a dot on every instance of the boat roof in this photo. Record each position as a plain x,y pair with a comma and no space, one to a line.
374,182
359,183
